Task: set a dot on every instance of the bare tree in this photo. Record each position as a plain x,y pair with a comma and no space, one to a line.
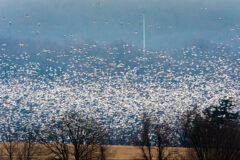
9,143
73,135
54,137
162,139
185,123
29,147
152,136
145,141
86,136
102,155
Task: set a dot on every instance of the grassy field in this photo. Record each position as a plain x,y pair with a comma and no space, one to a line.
113,152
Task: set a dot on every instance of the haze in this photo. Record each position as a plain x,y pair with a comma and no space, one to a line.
170,24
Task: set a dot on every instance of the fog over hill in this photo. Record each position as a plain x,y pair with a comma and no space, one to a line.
169,24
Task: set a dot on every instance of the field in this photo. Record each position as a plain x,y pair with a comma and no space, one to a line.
113,152
134,153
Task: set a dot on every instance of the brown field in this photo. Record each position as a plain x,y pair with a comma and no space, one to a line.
116,152
134,153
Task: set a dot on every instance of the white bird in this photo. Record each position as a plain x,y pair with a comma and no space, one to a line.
21,45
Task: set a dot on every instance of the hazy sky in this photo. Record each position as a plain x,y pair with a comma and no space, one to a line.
169,23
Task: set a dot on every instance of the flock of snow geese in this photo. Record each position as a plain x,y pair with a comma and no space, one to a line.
113,83
37,87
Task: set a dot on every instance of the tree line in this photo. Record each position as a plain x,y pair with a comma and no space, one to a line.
213,133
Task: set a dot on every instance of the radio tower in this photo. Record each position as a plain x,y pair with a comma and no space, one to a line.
144,34
144,39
